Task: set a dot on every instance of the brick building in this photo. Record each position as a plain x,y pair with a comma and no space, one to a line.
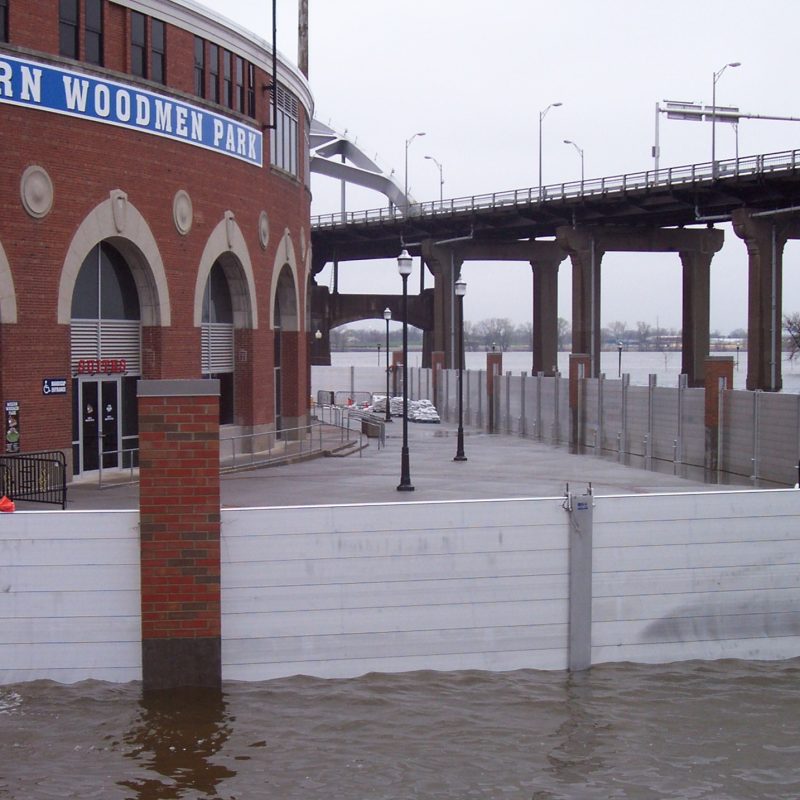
152,222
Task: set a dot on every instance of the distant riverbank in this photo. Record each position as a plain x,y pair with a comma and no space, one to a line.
666,366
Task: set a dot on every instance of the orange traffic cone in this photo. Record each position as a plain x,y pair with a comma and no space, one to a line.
6,504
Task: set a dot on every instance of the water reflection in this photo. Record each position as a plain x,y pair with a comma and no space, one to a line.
174,739
577,742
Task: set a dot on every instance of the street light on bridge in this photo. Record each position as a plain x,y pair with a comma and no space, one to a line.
405,184
441,179
542,115
580,152
717,76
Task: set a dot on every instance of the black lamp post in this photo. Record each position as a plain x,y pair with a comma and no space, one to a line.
404,268
461,290
387,315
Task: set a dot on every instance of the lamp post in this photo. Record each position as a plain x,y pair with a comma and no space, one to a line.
387,315
619,359
717,76
542,115
441,178
405,183
461,290
404,268
580,152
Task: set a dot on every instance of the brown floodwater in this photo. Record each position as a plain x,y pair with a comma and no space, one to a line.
727,729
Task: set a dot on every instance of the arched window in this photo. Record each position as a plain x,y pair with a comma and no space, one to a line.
105,338
218,338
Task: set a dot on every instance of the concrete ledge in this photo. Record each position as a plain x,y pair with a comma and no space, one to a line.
188,388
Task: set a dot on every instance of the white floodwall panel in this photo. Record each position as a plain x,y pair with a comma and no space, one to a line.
638,417
664,434
371,380
738,432
778,426
704,576
70,596
339,591
693,429
613,432
590,418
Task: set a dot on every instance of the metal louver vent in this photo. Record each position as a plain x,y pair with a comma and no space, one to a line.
288,102
217,347
107,339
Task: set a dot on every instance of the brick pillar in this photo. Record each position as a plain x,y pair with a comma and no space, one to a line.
397,372
494,367
179,505
580,365
437,364
716,367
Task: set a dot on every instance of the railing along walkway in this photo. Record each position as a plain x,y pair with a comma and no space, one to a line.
667,178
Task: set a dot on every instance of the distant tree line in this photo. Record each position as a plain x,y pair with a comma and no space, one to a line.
502,334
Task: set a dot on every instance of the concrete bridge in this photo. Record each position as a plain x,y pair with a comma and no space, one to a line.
671,210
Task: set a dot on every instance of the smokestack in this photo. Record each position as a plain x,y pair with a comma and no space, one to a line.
302,36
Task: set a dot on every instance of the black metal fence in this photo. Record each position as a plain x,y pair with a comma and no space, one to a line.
38,477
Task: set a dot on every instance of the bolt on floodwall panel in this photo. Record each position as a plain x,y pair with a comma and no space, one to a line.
179,501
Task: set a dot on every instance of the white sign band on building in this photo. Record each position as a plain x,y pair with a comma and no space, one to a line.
61,91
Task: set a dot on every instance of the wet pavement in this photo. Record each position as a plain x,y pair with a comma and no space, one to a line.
497,466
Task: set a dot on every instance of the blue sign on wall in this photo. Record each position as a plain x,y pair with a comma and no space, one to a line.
61,91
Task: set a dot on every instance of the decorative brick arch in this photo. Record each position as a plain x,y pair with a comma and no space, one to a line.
8,296
227,244
285,257
120,223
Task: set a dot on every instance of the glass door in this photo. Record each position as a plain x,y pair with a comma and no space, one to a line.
99,423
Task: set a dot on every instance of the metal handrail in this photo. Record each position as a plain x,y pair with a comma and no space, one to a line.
667,177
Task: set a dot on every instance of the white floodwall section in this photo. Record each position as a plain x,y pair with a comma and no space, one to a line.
643,426
70,596
344,590
338,591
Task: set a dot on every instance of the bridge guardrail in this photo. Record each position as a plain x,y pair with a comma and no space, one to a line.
787,160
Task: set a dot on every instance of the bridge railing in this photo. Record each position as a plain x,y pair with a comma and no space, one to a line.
788,160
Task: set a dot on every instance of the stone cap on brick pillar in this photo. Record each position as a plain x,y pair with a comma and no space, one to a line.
716,367
207,387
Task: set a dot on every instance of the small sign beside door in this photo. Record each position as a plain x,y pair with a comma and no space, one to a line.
12,426
54,385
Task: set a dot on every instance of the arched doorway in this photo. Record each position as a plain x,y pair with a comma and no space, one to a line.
217,331
105,337
285,326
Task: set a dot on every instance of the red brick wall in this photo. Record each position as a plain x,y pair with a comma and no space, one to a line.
85,161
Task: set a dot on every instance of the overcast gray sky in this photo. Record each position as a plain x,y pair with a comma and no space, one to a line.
475,75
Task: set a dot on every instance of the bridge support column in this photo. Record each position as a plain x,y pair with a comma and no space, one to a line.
445,266
545,315
586,255
764,238
696,300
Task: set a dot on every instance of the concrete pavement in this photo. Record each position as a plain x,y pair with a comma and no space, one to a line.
498,466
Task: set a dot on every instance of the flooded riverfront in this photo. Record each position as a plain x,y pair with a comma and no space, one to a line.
721,730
